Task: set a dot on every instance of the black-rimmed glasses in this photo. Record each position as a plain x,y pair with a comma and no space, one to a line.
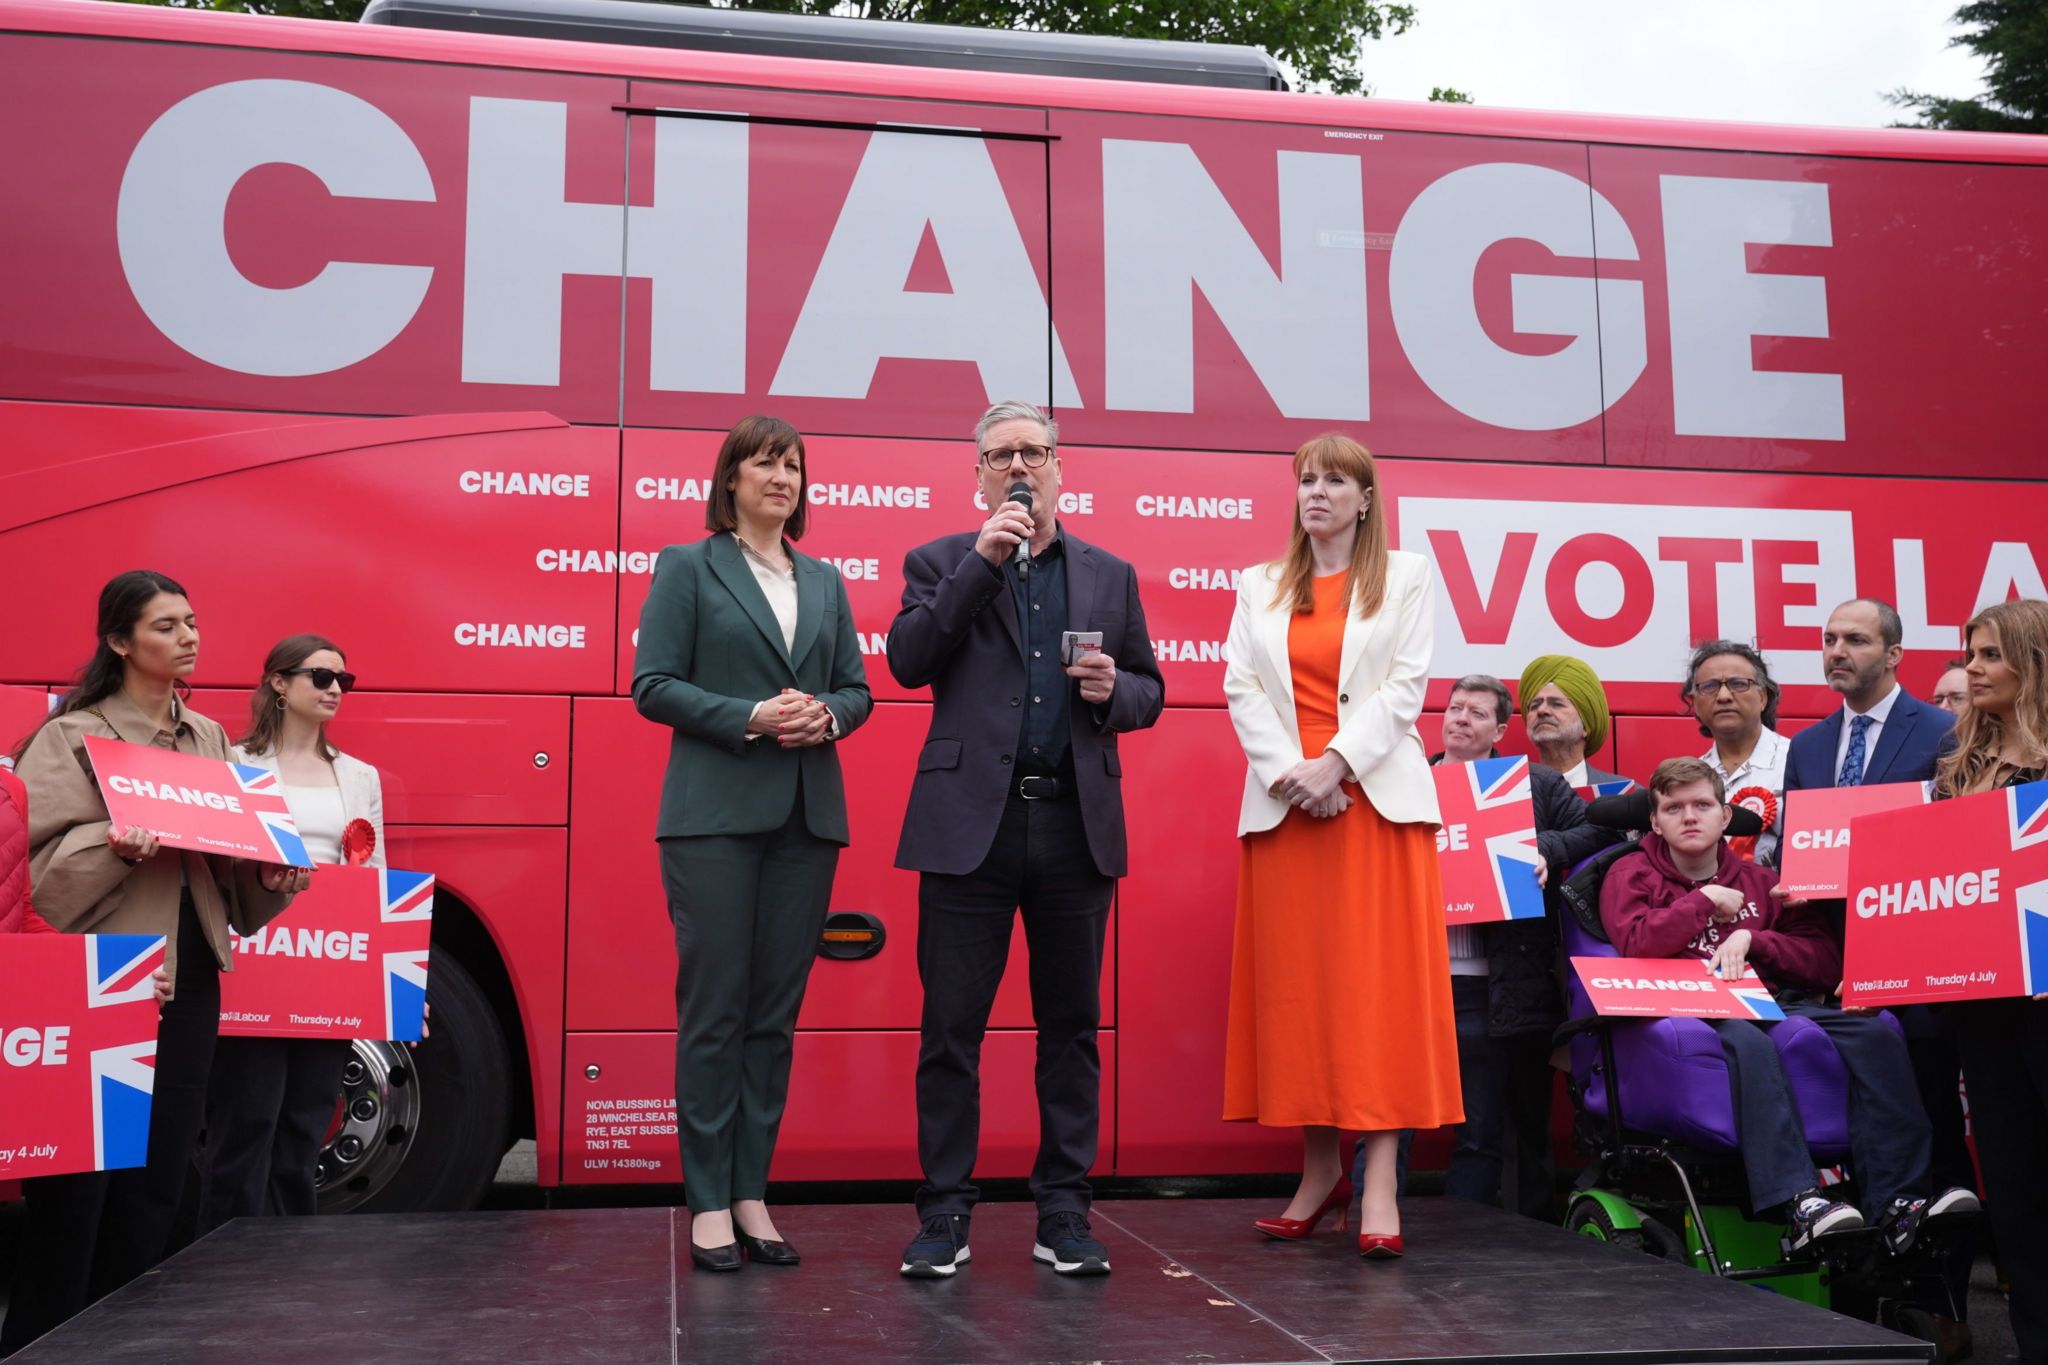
323,678
1034,457
1736,687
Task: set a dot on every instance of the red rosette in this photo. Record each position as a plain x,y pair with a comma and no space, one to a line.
1764,802
358,842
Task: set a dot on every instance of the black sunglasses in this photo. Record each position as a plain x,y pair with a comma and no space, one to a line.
323,678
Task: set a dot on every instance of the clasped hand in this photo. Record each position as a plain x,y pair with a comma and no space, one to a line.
794,719
1316,785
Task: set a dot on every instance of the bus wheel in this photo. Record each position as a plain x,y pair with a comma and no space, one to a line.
423,1129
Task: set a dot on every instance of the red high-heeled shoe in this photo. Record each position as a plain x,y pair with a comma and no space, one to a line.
1379,1246
1294,1229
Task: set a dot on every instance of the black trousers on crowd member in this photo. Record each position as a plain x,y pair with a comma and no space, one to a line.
1938,1070
1040,865
1507,1084
747,910
89,1234
268,1109
1890,1142
2005,1066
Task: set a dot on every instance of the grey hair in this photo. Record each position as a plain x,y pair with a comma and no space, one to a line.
1011,410
1749,654
1503,704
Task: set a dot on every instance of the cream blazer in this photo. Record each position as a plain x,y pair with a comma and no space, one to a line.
362,792
1381,678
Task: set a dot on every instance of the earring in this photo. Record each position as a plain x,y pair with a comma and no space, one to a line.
280,701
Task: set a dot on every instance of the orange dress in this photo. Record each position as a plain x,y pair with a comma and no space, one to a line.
1340,976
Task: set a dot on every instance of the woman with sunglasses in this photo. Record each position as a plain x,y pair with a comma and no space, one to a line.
88,1234
272,1098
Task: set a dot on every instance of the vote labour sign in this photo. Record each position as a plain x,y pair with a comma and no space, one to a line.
201,804
1665,987
1949,901
1815,861
1486,845
78,1025
347,960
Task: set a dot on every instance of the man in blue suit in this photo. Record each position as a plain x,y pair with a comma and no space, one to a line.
1882,735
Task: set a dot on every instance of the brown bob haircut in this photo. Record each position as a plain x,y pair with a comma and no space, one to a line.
1674,773
749,438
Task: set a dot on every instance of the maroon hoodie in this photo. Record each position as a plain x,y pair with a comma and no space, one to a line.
1651,909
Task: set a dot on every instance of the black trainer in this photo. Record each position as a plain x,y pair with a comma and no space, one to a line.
1066,1243
1904,1218
1814,1215
939,1249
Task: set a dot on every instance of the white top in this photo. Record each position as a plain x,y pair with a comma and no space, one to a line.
779,587
1576,775
1765,767
1877,715
1466,959
318,813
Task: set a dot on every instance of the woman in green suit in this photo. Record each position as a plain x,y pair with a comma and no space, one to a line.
747,651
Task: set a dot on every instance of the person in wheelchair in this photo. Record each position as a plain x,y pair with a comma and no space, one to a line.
1686,894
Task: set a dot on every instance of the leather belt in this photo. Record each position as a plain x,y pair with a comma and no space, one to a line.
1033,787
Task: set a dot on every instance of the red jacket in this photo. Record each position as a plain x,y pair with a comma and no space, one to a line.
1651,909
16,914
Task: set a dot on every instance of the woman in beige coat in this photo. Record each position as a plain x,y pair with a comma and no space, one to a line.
91,1233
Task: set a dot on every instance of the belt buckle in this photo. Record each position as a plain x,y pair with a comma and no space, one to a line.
1024,787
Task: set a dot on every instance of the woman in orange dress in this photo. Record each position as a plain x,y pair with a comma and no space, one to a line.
1340,988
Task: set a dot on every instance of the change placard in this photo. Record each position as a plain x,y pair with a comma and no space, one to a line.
78,1021
1486,844
201,804
347,960
1818,825
1672,987
1949,901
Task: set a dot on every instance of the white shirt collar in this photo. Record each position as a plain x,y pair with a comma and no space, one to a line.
1877,713
1768,756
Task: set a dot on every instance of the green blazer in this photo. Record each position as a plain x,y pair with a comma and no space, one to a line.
709,651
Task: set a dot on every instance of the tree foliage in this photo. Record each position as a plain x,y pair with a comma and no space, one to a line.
1321,41
2012,38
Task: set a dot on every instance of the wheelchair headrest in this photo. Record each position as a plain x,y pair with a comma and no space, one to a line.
1581,890
1631,810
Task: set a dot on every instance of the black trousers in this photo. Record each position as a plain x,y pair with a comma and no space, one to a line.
2005,1065
1938,1071
1040,865
89,1234
1507,1085
1890,1140
747,911
268,1108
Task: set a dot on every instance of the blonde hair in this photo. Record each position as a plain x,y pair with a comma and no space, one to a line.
1974,763
1365,582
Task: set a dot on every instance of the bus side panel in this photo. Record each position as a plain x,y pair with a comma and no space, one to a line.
852,1107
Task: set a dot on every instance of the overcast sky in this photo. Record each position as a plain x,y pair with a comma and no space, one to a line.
1769,61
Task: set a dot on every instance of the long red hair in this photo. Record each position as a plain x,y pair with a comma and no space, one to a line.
1365,582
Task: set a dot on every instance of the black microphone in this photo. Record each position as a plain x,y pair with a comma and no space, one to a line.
1020,493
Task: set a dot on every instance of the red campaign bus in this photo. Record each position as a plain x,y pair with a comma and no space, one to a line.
425,340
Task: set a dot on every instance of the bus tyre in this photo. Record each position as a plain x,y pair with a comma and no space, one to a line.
1589,1218
423,1129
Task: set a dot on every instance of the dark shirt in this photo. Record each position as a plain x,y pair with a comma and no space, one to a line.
1041,602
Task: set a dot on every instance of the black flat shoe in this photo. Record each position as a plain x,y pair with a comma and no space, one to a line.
726,1257
762,1251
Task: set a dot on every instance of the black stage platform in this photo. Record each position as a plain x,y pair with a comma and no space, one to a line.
1192,1282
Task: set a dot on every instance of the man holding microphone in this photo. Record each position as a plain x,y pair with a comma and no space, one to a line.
1035,647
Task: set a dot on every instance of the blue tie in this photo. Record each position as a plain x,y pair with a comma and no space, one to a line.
1852,762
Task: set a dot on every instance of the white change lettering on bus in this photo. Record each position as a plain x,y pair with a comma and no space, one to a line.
1204,580
517,483
515,635
1168,230
1199,509
856,570
651,489
1072,504
595,561
1188,651
868,495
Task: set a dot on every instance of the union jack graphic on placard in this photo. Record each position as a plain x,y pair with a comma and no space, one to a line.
2027,807
1756,998
1486,846
1620,786
81,1067
408,899
268,806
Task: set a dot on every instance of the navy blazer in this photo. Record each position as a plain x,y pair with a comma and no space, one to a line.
957,633
1908,745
